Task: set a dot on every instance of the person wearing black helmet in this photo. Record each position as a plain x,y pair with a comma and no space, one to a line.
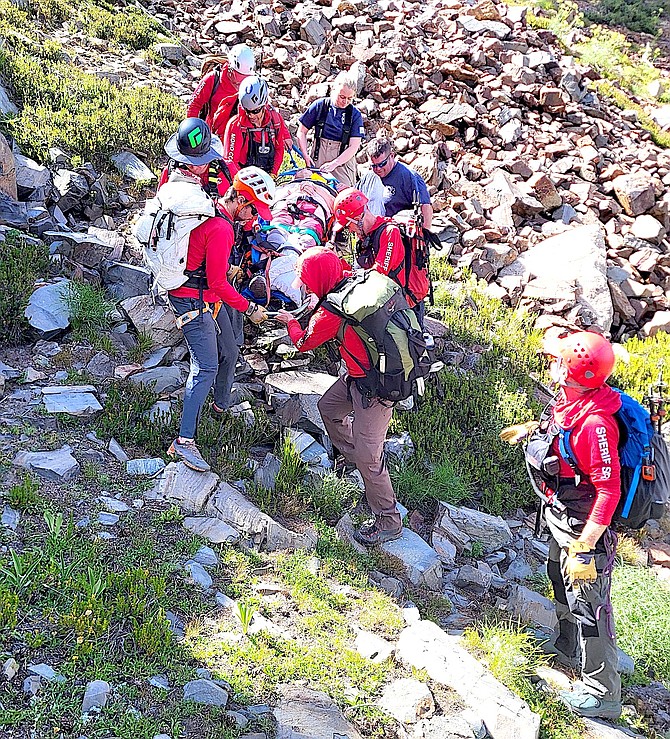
207,306
195,147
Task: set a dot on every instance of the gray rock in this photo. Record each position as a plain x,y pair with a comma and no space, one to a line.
72,404
237,719
309,713
373,647
160,409
473,579
7,170
407,700
206,692
207,557
108,519
47,310
445,548
187,487
116,450
519,570
156,358
124,280
72,187
310,451
401,447
426,647
159,379
463,525
9,373
159,681
532,607
625,663
635,192
58,465
604,730
96,695
176,625
199,574
10,518
447,727
7,107
419,560
32,179
46,672
132,167
266,474
145,466
10,669
313,32
233,508
305,389
155,319
32,684
101,365
212,529
171,52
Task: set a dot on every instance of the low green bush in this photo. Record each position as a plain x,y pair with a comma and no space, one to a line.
636,15
90,309
129,27
647,358
22,261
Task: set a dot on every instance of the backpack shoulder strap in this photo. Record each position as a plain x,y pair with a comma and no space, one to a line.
346,127
321,118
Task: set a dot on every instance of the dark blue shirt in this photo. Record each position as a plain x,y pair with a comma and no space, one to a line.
334,124
401,183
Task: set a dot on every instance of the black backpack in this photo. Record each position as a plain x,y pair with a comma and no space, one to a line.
322,117
376,309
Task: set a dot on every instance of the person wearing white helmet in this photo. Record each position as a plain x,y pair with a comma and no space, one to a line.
257,136
215,98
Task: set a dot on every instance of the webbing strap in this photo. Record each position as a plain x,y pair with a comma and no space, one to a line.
631,490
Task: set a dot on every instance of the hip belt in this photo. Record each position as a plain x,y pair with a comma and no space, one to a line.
190,315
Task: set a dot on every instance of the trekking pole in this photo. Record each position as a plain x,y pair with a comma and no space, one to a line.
295,312
657,400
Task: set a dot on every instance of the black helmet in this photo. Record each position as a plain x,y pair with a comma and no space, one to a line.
194,143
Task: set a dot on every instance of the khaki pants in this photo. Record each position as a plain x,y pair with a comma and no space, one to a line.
359,433
345,173
585,618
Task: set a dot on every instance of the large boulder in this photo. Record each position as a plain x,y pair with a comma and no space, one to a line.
153,318
461,526
303,713
7,169
577,256
47,310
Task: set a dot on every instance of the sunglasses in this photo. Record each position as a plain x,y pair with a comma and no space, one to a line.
381,165
256,111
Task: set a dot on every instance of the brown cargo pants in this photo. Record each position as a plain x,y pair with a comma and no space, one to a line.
358,429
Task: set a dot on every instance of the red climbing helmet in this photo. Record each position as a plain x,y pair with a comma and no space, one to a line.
589,357
349,205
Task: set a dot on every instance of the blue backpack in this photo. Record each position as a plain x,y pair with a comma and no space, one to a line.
645,464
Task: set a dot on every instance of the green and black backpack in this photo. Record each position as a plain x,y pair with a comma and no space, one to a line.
376,309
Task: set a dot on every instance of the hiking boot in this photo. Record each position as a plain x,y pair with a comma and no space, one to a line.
216,411
590,706
189,454
370,535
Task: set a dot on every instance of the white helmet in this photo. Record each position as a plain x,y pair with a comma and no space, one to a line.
253,93
257,187
241,59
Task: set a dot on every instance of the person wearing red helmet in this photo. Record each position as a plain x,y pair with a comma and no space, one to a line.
207,307
356,425
380,245
578,514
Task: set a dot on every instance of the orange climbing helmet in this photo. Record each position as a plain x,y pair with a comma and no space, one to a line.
349,206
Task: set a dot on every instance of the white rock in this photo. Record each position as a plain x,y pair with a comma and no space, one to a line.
214,530
420,562
407,700
96,695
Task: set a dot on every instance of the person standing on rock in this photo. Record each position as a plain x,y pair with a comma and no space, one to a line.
578,514
356,424
215,98
207,307
380,245
257,136
338,131
404,187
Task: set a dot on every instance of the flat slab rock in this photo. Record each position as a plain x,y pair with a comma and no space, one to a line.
187,487
461,525
425,646
232,507
72,404
58,465
420,561
206,692
603,730
309,714
47,311
214,530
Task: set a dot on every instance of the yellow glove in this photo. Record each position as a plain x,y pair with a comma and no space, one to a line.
514,434
256,313
234,273
581,563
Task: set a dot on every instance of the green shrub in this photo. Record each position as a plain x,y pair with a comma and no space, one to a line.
22,261
642,616
9,608
84,114
647,357
130,27
329,494
418,483
24,495
90,310
152,633
636,15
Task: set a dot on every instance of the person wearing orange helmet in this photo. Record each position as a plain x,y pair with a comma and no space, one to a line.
580,497
380,246
209,309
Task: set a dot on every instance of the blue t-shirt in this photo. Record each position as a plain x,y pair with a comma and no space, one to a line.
334,124
401,183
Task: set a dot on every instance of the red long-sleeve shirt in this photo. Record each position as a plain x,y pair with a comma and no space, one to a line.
240,130
222,100
594,440
222,184
211,243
